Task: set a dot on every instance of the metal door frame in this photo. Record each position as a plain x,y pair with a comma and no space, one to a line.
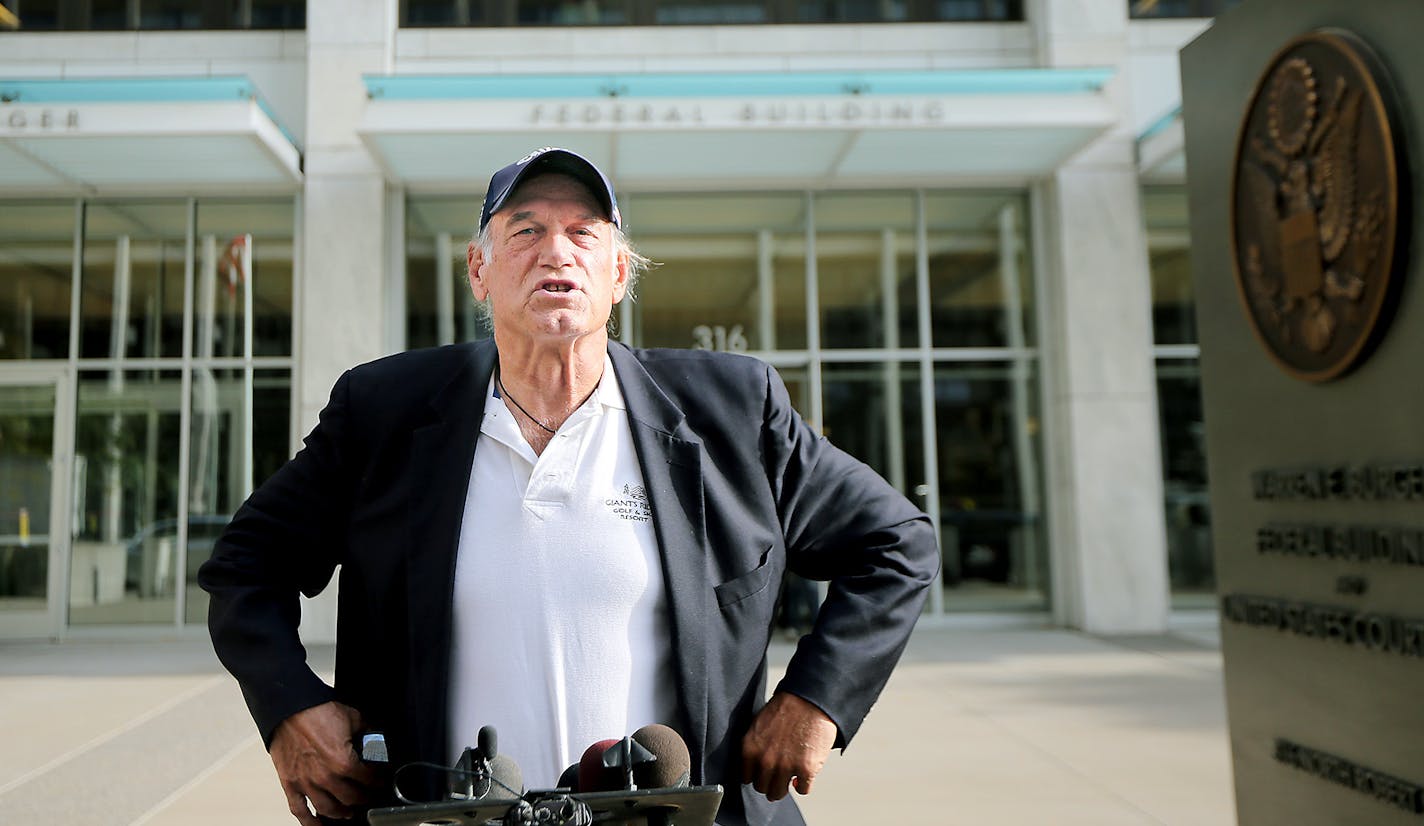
49,623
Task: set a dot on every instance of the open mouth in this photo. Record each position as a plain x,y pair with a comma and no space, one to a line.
556,287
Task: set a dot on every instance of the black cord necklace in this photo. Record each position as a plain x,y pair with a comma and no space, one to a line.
503,392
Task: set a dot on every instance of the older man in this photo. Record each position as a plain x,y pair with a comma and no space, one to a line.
565,538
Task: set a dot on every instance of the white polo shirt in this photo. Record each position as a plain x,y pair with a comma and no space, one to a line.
561,636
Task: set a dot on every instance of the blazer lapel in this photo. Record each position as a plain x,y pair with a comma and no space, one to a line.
438,476
671,460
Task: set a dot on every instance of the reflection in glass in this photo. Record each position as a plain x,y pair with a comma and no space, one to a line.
1189,548
1169,250
125,556
572,12
244,256
438,306
981,284
131,304
865,262
36,254
220,474
26,444
986,418
1188,510
872,412
715,13
732,274
1178,8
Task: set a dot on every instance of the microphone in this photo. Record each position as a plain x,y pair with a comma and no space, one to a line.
569,779
655,757
593,775
482,773
671,766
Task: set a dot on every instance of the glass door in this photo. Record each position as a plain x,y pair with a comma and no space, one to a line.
32,524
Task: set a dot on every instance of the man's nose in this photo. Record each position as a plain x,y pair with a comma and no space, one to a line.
556,250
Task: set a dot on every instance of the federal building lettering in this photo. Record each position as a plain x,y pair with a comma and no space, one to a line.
1393,545
1383,482
1382,787
1383,633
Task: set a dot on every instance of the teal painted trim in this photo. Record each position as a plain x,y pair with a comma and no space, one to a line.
1161,123
730,84
138,90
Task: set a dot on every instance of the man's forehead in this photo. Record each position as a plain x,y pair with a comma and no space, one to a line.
554,186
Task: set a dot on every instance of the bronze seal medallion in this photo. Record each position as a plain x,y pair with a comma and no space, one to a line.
1317,205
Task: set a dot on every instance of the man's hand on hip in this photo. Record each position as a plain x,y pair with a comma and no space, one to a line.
790,738
315,760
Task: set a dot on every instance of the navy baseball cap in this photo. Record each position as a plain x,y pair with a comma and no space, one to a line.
549,159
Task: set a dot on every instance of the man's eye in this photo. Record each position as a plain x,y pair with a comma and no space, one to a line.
525,231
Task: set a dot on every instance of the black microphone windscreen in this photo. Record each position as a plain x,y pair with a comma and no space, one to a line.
673,768
488,742
569,779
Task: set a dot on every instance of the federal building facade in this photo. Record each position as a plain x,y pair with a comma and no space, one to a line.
957,229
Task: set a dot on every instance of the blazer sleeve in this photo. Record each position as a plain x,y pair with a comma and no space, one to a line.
847,526
283,541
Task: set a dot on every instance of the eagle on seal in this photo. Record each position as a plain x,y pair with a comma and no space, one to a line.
1301,181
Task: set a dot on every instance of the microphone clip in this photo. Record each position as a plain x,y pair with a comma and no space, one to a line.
625,755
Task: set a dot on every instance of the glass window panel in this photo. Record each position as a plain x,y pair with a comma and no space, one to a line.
732,271
865,264
131,300
38,15
171,14
1189,549
573,13
36,263
711,14
975,10
852,11
872,411
217,471
125,562
109,14
978,255
1178,8
277,14
227,266
991,525
1169,254
26,449
419,13
439,308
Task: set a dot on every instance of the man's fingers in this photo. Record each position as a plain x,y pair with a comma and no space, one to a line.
328,806
297,805
788,742
347,791
767,777
803,783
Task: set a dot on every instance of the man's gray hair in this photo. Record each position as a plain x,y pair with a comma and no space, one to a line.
637,265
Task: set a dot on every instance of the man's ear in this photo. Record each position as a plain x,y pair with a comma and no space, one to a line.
620,276
475,262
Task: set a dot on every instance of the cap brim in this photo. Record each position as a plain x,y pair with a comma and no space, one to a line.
566,163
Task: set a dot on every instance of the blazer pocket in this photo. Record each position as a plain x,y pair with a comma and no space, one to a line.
747,585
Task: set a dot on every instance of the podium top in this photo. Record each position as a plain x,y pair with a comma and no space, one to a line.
694,806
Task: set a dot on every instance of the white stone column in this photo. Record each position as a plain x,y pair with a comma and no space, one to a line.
1107,524
342,284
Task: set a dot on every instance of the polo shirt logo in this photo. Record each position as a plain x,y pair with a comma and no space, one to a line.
632,505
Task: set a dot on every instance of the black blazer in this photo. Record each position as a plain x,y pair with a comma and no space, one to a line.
740,489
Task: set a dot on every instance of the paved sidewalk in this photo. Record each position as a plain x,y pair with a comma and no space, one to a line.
1002,727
